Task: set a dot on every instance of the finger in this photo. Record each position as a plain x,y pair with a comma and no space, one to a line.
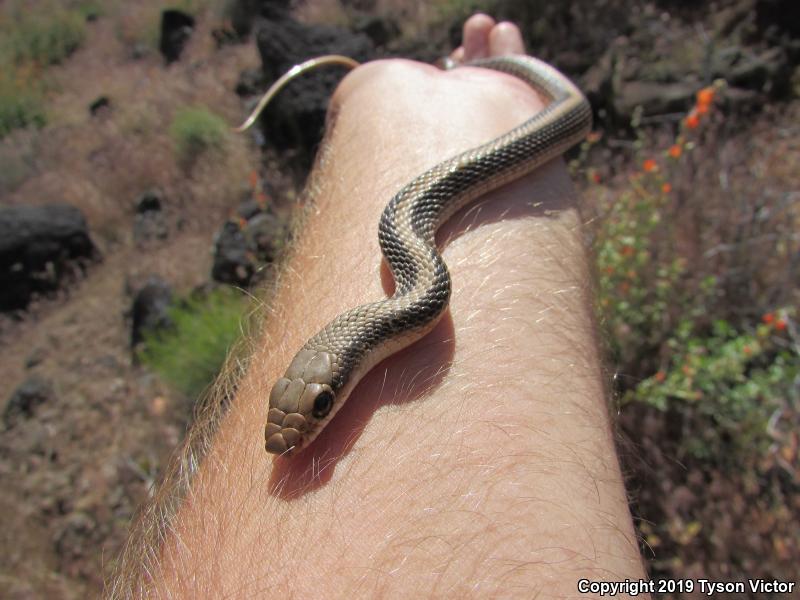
504,39
476,36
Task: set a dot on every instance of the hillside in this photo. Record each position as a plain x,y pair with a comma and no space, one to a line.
692,204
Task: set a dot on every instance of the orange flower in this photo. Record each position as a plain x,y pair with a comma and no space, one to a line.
705,96
660,376
253,179
628,250
666,187
649,165
747,350
692,121
768,318
596,177
701,109
780,324
675,151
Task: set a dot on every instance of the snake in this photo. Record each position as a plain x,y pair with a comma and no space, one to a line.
324,372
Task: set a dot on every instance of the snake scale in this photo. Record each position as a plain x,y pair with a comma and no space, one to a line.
330,364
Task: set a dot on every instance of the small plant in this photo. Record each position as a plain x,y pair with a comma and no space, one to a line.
728,383
31,40
675,341
21,100
190,354
44,36
195,131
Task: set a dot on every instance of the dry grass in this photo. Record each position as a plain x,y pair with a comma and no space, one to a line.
97,451
89,458
711,457
102,163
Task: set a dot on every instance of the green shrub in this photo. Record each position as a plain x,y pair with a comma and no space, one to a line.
197,130
21,99
727,383
44,36
678,338
190,354
31,39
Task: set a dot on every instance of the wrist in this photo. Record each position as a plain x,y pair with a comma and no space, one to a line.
394,119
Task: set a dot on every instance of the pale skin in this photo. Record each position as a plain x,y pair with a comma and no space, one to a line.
478,462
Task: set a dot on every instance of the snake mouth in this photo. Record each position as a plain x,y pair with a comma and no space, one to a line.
277,444
283,433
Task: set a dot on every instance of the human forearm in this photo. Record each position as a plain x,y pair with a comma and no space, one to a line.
479,459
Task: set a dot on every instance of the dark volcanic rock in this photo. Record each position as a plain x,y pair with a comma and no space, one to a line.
150,201
150,222
251,82
176,28
224,36
231,261
654,98
242,247
381,30
37,244
780,16
23,403
296,117
272,9
150,311
100,104
265,235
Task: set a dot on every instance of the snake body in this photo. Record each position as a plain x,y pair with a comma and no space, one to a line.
330,364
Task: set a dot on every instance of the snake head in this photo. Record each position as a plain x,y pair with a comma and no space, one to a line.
300,402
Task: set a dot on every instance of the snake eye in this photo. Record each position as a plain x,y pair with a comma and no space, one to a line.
322,405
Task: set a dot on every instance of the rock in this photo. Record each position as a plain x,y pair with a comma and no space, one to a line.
223,36
741,100
35,358
149,222
244,13
241,248
654,98
767,72
99,105
232,264
265,236
251,82
296,117
37,244
275,10
248,209
176,28
149,201
597,82
24,401
78,532
780,15
150,311
381,30
241,14
727,20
